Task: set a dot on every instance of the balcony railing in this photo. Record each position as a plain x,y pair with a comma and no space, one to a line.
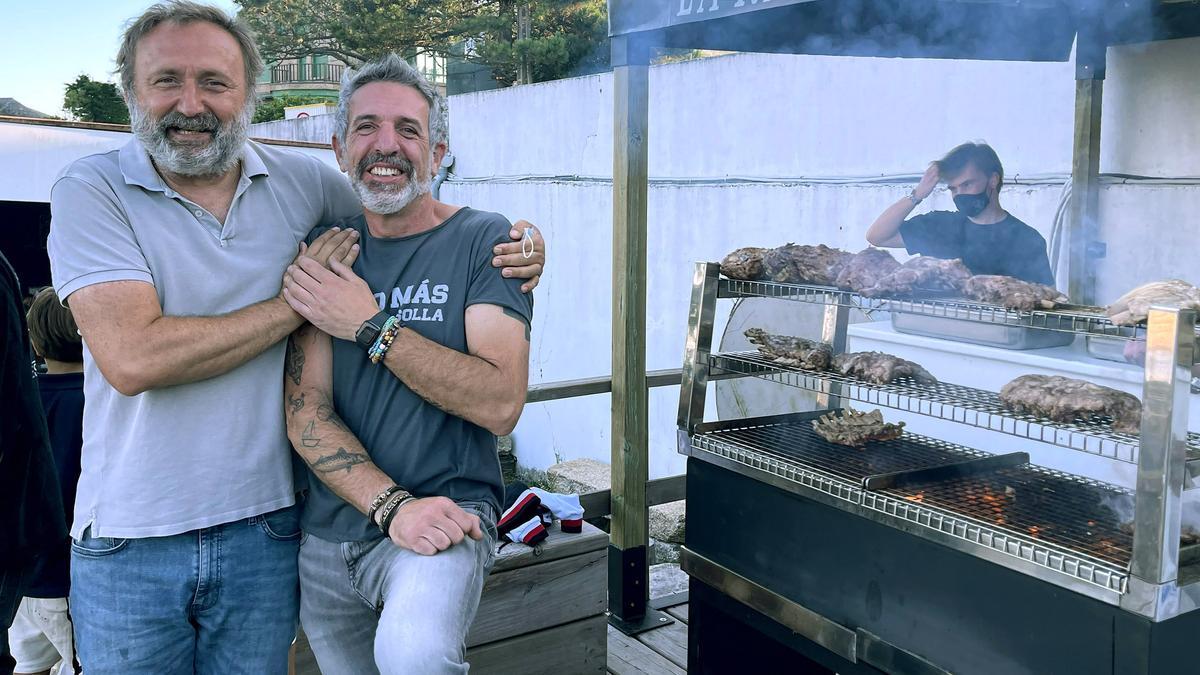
306,73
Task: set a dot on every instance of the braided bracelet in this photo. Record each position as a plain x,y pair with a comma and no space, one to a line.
379,501
389,512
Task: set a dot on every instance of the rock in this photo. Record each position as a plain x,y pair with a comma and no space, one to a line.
667,522
662,552
667,579
580,475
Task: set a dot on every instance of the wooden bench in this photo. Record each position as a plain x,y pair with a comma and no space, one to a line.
542,610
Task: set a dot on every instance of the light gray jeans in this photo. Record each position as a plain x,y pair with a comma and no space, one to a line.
372,607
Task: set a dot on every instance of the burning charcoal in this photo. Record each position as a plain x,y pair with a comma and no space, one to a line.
1012,293
880,368
744,263
799,264
791,351
856,429
1063,399
1133,307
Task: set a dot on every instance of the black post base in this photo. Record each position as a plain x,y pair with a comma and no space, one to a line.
649,621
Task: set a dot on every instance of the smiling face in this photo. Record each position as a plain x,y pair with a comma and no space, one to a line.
190,105
387,152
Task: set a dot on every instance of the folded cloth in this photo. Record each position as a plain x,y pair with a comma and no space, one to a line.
530,532
520,508
566,508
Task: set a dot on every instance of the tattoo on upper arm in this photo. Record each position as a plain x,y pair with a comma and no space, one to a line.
294,363
508,311
342,459
295,403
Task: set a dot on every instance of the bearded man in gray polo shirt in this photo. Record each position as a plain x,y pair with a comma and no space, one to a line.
169,252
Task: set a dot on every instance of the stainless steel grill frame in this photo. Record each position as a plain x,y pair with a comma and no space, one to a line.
1152,583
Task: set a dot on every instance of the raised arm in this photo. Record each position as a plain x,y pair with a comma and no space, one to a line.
340,461
137,348
885,231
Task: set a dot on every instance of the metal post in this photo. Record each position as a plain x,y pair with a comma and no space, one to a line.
1083,236
628,574
1170,342
833,330
694,386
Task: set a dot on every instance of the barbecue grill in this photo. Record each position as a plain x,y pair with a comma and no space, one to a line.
869,542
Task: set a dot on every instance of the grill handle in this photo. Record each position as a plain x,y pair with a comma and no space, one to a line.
932,474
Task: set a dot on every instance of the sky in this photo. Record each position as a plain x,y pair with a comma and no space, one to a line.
48,43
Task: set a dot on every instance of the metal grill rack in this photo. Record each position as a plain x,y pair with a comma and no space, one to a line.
1034,515
953,402
1087,322
1056,528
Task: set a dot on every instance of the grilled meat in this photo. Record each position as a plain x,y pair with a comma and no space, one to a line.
1133,307
1012,293
1063,399
744,263
799,264
865,268
921,274
791,351
856,429
880,368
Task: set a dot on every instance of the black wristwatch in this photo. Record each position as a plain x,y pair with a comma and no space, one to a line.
368,332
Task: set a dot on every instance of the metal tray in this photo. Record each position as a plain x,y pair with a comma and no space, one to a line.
988,334
1107,348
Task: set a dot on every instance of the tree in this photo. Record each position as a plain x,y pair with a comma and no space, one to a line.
565,37
88,100
269,111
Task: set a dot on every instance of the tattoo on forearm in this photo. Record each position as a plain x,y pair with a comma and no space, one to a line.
294,363
508,311
342,459
295,403
309,438
326,413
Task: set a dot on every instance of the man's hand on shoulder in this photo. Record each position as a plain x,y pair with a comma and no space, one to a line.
512,256
433,524
337,301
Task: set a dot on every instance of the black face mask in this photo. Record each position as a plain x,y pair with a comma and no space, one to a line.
972,205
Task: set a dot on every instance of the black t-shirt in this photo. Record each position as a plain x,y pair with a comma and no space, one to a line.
31,512
62,399
1009,247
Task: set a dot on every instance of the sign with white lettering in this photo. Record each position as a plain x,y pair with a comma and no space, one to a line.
699,10
627,16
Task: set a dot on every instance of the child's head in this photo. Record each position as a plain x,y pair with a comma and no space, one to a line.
52,329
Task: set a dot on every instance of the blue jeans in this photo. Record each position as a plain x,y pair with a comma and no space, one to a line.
371,607
218,600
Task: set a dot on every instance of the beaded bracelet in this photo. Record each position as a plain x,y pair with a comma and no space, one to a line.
384,341
390,511
379,501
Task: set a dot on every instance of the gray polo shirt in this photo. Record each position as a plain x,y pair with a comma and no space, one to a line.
185,457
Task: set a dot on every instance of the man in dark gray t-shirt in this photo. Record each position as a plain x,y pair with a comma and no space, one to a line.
414,361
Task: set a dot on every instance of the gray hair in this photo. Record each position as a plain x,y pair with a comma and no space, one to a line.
180,12
392,68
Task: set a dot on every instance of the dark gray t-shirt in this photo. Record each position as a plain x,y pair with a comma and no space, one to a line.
430,279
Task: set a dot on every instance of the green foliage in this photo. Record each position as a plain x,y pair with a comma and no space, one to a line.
566,37
269,111
87,100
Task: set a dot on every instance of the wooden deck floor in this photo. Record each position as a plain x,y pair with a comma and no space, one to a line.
662,651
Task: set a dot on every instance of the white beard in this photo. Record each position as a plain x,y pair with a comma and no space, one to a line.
217,158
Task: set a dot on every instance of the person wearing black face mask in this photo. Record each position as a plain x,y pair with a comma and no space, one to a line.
988,239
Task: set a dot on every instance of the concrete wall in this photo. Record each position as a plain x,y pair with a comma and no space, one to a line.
804,135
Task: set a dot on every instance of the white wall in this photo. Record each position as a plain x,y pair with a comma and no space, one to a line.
805,132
